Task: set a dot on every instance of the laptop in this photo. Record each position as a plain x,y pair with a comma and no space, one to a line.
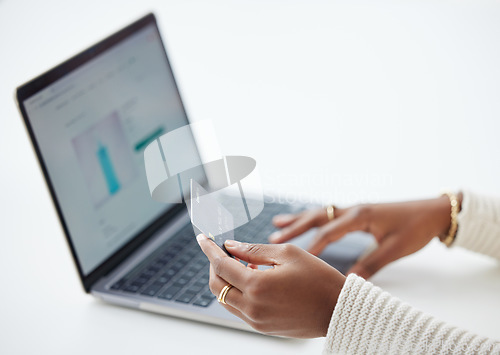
104,106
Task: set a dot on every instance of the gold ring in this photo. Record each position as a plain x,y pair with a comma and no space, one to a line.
223,293
330,212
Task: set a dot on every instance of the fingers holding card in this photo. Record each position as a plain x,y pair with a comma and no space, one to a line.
209,217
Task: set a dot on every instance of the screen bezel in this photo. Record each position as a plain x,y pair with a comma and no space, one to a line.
32,87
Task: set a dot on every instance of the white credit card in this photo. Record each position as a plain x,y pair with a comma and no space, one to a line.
209,216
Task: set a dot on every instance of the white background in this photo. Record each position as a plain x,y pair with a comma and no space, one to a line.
342,101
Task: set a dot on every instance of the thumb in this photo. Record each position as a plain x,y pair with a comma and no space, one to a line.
258,254
368,265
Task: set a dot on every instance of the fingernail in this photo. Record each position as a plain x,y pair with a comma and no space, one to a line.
200,237
230,243
274,236
278,218
313,252
281,218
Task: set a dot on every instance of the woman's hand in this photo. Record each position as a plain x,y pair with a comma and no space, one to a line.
399,228
294,298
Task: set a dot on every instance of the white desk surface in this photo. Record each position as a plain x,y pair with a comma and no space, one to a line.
343,101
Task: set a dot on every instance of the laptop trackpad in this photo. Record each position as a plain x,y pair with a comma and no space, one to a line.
343,253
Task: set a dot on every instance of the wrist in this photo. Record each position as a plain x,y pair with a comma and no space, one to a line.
442,213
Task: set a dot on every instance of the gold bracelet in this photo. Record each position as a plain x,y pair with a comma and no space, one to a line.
452,232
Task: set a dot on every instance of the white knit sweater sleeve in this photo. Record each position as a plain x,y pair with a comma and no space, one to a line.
367,320
479,224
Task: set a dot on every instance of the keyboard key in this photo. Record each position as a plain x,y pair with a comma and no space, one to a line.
144,277
163,279
138,284
208,294
204,280
197,287
174,249
190,273
152,289
201,262
168,256
169,293
131,288
177,266
117,285
186,297
182,281
140,281
197,267
203,302
149,273
154,268
170,272
160,263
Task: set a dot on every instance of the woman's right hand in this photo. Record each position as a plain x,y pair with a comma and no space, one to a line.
294,297
400,229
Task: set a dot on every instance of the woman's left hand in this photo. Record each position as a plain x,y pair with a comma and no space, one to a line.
294,298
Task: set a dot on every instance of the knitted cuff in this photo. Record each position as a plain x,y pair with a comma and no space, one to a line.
479,225
367,320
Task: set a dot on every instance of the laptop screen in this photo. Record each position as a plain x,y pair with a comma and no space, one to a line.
92,126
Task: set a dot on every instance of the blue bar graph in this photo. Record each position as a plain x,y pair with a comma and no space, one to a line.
108,170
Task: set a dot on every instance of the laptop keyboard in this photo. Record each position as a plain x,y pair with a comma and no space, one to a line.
178,270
